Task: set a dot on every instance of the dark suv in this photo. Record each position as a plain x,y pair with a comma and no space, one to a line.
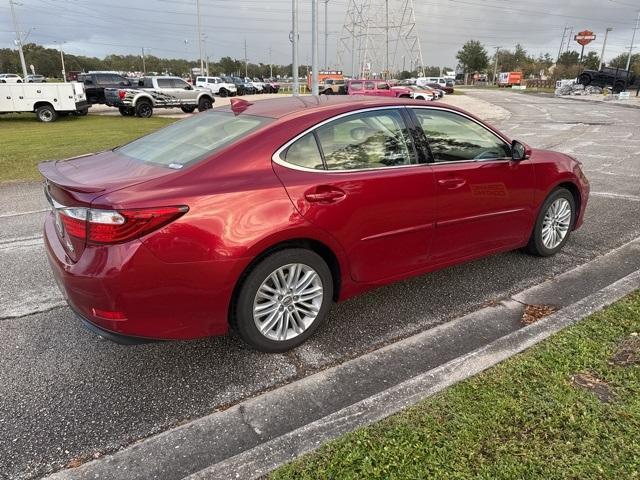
95,83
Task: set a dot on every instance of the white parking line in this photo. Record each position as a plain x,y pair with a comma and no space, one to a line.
17,214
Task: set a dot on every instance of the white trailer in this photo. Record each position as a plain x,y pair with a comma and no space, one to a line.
46,100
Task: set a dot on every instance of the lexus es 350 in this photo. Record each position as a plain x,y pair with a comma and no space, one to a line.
258,216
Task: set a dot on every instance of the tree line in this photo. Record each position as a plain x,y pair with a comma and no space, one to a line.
473,57
47,62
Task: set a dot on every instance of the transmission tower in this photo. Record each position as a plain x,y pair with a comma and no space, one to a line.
379,37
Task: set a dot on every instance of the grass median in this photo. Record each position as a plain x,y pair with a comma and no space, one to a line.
25,142
568,408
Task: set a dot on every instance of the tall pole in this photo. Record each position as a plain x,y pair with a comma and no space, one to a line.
18,41
604,45
204,54
270,65
495,67
326,34
386,62
144,65
294,46
246,61
564,33
569,39
314,47
633,39
200,38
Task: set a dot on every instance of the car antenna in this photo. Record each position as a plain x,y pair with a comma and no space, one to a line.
239,105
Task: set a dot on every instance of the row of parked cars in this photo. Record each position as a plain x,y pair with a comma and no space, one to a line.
421,89
13,78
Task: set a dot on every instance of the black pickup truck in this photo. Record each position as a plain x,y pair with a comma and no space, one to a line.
616,78
96,82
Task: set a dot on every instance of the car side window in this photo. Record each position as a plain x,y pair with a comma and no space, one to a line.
304,152
179,83
383,86
355,85
165,83
369,85
375,139
453,137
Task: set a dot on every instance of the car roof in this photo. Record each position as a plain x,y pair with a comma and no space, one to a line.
307,104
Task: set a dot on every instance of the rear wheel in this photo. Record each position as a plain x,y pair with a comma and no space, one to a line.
223,92
283,300
46,113
188,108
554,224
127,111
144,109
618,87
82,112
584,79
205,103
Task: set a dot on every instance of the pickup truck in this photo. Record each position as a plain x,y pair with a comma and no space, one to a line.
378,88
617,78
46,100
96,82
158,92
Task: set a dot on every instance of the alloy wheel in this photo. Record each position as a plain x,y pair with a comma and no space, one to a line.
288,302
555,225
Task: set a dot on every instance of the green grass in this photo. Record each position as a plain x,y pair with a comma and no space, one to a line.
523,419
25,142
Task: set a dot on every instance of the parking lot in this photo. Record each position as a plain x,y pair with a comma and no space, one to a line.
69,396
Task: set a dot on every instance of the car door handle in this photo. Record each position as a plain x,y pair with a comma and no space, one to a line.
452,183
324,194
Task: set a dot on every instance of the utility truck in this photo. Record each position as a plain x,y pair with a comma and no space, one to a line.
47,100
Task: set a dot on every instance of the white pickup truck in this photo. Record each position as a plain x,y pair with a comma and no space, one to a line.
46,100
217,86
158,92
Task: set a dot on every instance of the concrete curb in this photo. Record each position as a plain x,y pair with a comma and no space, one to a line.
261,460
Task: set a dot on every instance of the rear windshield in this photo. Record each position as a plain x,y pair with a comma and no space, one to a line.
191,140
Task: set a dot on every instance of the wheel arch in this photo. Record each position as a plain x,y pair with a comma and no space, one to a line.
42,103
316,246
140,97
575,193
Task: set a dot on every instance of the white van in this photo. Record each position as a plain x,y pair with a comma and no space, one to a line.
422,81
217,86
46,100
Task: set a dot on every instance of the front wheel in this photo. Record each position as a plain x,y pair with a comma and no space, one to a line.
204,103
554,224
188,108
283,300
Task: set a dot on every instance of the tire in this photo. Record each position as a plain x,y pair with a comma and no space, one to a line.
584,79
19,81
205,103
188,108
46,114
223,92
560,199
127,111
260,277
328,91
82,113
144,109
618,87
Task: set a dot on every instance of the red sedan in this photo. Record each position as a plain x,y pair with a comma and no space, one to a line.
260,215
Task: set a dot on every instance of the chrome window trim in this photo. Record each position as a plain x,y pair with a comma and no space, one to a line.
495,134
276,157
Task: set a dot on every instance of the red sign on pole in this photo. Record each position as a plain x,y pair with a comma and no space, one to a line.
585,37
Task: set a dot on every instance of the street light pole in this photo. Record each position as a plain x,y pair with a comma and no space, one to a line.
314,47
144,65
495,66
18,41
64,71
633,39
604,45
294,46
386,63
199,37
326,34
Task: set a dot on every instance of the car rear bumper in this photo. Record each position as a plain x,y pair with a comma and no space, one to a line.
124,290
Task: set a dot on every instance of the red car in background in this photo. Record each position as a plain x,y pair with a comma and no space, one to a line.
377,88
261,215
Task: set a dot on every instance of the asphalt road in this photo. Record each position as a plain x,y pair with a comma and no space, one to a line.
66,395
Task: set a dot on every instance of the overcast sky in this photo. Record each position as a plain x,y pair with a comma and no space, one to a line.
167,28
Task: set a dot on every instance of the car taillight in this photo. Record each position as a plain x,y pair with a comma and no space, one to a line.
122,94
116,226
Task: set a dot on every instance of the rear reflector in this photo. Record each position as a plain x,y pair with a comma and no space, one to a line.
108,314
122,94
116,226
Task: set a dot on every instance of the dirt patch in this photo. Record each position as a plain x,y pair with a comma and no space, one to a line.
533,313
628,352
595,385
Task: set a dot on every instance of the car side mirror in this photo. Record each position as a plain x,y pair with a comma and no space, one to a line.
519,151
